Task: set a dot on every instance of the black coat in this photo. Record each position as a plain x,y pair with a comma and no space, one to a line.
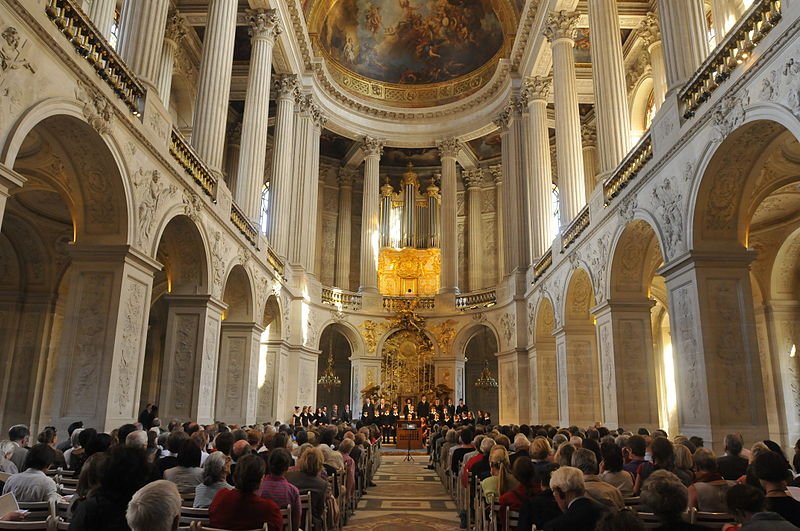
582,515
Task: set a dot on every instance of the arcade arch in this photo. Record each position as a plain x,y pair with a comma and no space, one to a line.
543,367
335,342
480,353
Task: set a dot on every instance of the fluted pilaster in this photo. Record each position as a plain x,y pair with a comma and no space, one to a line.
211,105
343,229
497,175
589,142
264,27
683,29
448,151
231,162
473,180
370,216
142,37
560,32
537,92
285,88
610,90
650,32
101,12
174,34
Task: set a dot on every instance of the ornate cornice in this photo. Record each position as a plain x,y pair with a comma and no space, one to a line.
537,88
649,30
263,24
524,33
561,25
449,147
372,146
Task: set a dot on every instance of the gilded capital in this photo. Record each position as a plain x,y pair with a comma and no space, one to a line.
264,23
538,88
561,25
449,147
176,27
649,30
373,146
285,86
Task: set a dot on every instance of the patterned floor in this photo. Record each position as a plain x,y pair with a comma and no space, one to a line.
407,496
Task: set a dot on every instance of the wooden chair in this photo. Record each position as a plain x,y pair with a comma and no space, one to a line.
710,520
511,520
57,524
193,514
197,526
306,518
632,502
38,511
41,525
649,520
286,514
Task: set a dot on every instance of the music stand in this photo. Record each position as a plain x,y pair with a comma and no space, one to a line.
406,434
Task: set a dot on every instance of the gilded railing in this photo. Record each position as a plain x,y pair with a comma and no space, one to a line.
575,228
394,304
244,225
275,261
629,168
737,47
477,299
544,263
191,163
89,42
341,299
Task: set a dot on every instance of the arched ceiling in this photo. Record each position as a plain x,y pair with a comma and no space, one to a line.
412,53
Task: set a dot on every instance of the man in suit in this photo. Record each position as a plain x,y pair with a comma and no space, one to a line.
19,436
368,412
423,407
347,415
732,465
461,408
580,513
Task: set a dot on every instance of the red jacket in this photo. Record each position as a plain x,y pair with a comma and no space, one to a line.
232,509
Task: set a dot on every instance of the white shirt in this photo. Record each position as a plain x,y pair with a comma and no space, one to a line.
31,486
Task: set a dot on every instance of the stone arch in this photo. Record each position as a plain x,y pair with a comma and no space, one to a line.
271,319
182,248
337,338
544,365
577,352
350,333
272,363
390,332
785,277
640,96
480,351
238,296
466,333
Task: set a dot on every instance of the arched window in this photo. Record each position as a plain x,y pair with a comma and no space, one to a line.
264,219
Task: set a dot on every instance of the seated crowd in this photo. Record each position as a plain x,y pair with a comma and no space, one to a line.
137,478
572,479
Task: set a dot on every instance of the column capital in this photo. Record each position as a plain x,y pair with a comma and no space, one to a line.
175,30
473,179
345,177
561,25
285,86
503,120
263,24
449,147
588,135
373,146
537,88
649,29
497,173
307,107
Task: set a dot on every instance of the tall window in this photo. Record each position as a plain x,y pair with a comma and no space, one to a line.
264,218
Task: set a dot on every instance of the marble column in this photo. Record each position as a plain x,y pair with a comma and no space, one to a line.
142,37
190,357
448,151
232,154
308,127
497,176
211,106
343,229
589,143
560,31
101,13
282,165
540,179
473,180
610,90
724,15
174,34
237,383
715,346
683,29
650,33
263,30
370,216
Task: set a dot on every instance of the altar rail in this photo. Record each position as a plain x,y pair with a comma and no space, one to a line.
629,168
182,152
393,304
74,24
578,225
477,299
735,49
346,300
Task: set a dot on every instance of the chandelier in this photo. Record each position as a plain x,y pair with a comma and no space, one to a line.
329,380
486,380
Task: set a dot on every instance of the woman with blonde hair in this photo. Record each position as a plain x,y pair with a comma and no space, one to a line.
501,480
684,464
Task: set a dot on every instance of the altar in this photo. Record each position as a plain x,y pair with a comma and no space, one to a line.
409,435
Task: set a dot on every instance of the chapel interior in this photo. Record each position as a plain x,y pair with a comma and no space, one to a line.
563,212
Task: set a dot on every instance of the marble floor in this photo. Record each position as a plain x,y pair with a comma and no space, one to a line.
407,496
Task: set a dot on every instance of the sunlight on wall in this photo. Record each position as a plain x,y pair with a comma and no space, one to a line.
669,376
305,311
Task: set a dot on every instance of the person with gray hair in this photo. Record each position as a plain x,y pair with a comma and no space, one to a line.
580,513
668,498
597,489
6,450
154,507
732,465
215,471
136,439
521,447
558,440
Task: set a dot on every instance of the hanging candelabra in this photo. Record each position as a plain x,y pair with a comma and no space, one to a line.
486,380
329,380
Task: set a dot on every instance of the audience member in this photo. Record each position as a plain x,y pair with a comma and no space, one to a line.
6,451
580,512
746,504
275,487
665,495
501,480
732,465
611,469
186,474
19,436
155,507
242,507
601,492
215,472
770,469
307,479
32,484
708,492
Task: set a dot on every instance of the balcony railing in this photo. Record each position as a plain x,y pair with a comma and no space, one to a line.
575,228
244,225
181,151
89,42
629,168
393,304
275,261
345,300
544,263
731,52
477,299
